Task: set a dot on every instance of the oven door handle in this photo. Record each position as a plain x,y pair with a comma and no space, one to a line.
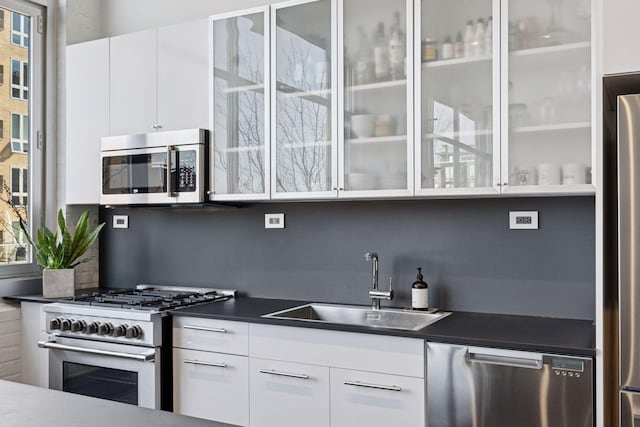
148,357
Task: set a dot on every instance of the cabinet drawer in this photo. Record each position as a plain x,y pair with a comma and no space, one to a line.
211,335
213,386
283,394
370,399
376,353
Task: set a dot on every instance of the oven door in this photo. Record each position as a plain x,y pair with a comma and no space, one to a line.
118,372
163,175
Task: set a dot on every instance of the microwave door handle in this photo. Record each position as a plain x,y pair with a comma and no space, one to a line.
171,149
148,357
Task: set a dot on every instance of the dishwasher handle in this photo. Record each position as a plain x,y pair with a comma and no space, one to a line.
512,358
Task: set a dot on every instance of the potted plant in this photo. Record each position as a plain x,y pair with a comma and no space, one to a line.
59,252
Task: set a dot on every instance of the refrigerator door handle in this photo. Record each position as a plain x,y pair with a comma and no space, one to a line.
494,356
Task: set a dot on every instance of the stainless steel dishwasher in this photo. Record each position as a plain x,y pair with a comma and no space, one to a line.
489,387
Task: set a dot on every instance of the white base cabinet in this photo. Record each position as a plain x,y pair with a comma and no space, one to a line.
286,394
370,399
211,386
34,360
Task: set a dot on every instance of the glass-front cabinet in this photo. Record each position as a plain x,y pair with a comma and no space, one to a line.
240,109
303,100
457,97
547,96
375,97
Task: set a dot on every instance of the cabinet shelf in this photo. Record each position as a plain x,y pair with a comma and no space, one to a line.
561,48
482,132
457,61
378,85
377,139
240,149
552,127
303,144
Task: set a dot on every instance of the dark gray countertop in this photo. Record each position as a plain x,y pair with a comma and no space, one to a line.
28,406
543,334
42,299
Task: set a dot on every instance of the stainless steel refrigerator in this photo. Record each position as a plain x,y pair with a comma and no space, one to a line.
629,257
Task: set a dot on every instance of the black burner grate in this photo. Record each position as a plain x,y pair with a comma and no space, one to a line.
147,299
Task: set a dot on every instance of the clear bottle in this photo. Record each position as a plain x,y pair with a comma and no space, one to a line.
447,50
381,54
469,37
397,50
488,37
458,46
364,61
479,39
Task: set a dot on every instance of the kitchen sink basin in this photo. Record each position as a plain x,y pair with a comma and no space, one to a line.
360,316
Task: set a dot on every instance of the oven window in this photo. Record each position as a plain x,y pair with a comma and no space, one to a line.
104,383
134,174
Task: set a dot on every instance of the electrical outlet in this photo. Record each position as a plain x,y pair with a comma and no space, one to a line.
121,221
274,220
523,220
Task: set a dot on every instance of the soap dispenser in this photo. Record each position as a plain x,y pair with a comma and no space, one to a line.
419,293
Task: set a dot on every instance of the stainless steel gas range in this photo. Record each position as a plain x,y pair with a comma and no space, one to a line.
116,345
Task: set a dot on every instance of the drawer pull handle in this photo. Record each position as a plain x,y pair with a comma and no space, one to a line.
198,362
202,328
284,374
376,386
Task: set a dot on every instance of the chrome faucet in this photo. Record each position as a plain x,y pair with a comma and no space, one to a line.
375,293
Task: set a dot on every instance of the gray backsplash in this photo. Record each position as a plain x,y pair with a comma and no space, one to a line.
470,258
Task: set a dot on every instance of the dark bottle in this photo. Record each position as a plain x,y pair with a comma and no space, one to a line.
420,293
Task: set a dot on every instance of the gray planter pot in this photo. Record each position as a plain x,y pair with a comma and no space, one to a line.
58,283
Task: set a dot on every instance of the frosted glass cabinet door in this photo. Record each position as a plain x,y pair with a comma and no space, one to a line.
457,120
547,96
303,100
377,145
240,111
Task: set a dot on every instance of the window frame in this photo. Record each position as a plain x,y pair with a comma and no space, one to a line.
35,84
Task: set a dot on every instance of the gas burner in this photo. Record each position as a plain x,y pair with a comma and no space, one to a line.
152,298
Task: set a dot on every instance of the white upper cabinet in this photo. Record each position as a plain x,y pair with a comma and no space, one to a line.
457,97
621,33
133,83
183,71
87,119
240,108
546,94
159,79
303,100
375,98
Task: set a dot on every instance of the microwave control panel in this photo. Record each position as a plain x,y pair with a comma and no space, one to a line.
186,172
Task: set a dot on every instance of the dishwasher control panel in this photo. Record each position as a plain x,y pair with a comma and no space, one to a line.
567,367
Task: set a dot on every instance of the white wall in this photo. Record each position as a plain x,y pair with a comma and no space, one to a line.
127,16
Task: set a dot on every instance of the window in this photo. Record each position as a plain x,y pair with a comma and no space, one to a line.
19,79
22,109
1,74
1,25
20,29
19,133
19,186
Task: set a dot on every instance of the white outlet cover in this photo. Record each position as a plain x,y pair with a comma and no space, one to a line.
121,221
523,220
274,220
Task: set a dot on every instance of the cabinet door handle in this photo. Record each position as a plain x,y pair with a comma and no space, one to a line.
284,374
198,362
202,328
376,386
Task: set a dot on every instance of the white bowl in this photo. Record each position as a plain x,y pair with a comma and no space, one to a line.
363,125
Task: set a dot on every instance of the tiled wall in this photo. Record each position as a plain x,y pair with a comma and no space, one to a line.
9,342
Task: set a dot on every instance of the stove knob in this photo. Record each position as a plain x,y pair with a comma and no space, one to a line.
133,331
105,329
120,330
65,324
55,323
91,328
78,326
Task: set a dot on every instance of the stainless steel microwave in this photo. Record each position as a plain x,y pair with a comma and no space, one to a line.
154,168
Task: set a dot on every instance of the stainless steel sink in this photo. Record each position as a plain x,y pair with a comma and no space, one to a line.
360,316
